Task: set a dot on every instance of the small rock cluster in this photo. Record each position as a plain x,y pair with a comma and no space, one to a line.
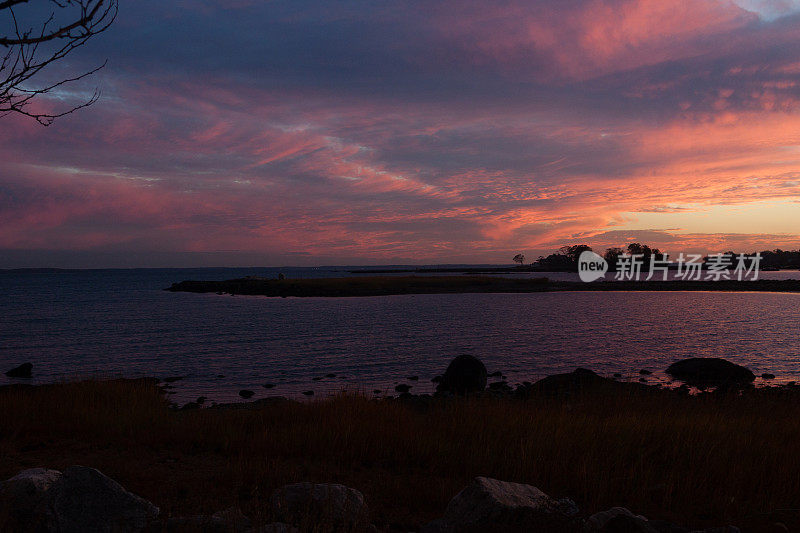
467,375
500,506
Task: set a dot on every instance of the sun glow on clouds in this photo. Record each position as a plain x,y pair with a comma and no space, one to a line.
770,9
431,133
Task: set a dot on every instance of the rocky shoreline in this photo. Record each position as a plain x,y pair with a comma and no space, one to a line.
467,375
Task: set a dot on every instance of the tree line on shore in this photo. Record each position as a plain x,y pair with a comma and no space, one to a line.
566,257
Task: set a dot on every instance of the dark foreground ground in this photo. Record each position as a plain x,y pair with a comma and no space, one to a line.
700,460
388,285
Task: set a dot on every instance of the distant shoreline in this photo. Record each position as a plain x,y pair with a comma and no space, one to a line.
398,285
508,270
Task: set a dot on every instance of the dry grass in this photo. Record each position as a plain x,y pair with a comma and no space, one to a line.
693,460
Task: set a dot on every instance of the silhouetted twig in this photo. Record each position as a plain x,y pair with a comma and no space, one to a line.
23,56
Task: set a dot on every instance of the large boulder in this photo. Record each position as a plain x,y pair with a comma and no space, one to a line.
22,371
578,380
464,374
492,505
327,505
23,500
706,372
85,500
79,500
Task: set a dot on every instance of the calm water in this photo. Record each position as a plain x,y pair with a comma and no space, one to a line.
121,322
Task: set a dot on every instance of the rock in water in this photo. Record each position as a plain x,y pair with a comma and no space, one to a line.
464,374
705,372
246,394
22,371
83,499
500,387
23,500
326,505
581,379
493,505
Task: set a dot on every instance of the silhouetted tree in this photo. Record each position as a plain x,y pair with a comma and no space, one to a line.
636,248
33,36
574,252
565,259
780,258
519,258
648,254
612,256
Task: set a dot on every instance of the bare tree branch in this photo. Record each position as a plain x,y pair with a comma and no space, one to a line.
25,51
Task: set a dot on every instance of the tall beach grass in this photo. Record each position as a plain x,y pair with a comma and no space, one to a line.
699,460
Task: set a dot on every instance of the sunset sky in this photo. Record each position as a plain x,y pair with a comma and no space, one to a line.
293,132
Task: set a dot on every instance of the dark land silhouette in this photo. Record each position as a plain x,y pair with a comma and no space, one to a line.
389,285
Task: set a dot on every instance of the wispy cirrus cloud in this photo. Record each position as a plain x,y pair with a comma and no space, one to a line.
415,131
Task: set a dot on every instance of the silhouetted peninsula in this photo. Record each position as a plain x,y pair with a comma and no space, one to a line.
390,285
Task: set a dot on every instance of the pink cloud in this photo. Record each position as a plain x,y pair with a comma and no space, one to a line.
588,130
